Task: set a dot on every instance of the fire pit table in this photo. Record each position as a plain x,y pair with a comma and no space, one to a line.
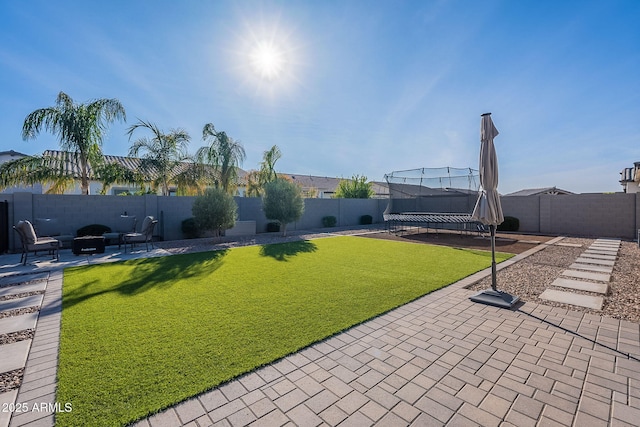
88,245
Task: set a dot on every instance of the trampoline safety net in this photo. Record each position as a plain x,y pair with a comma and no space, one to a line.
432,197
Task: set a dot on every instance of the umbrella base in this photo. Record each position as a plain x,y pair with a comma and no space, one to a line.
495,298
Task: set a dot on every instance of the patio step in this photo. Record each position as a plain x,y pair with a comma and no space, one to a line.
601,252
584,274
591,267
615,246
14,356
604,262
7,398
580,300
22,278
581,285
590,255
18,323
16,303
20,289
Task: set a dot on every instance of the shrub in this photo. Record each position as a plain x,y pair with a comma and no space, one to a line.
355,188
214,211
273,227
93,230
282,201
366,219
329,221
190,228
510,223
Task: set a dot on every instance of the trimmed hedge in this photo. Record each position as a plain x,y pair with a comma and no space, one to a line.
329,221
510,223
366,219
273,227
190,229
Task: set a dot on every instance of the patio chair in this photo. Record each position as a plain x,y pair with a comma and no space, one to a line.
32,243
125,224
145,236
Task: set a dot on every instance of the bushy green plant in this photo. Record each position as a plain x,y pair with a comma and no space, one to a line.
355,188
190,228
329,221
273,227
282,202
214,211
510,223
93,230
366,219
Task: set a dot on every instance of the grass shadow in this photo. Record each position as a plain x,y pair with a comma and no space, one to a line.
149,273
283,251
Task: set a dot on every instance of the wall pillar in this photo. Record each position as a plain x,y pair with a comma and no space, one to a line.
545,213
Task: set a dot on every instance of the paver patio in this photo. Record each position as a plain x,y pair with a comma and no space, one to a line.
440,360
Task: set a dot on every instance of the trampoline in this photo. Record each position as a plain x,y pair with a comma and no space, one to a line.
432,198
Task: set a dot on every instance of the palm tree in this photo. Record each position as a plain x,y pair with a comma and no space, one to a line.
165,156
254,188
268,165
224,154
111,173
80,128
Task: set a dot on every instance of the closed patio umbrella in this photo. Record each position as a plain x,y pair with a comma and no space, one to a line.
488,210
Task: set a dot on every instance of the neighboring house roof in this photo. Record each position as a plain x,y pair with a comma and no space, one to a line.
537,191
329,185
6,156
320,183
132,163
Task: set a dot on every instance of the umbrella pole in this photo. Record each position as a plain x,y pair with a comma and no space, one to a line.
493,296
494,285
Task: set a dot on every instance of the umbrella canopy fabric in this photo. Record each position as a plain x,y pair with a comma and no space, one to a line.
488,209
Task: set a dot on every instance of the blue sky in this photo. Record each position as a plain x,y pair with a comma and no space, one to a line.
363,87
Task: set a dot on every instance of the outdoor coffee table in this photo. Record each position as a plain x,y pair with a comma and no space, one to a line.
88,245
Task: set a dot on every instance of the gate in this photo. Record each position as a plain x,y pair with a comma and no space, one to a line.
4,227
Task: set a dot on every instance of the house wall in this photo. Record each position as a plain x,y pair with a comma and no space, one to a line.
604,215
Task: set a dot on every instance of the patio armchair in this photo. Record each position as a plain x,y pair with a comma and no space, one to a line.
32,243
145,236
124,225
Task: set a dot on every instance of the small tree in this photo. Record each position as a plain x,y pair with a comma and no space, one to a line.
355,188
282,202
215,210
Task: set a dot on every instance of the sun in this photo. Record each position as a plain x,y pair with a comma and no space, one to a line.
267,60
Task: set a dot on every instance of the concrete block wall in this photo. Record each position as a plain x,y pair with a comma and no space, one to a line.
607,215
171,211
603,215
526,209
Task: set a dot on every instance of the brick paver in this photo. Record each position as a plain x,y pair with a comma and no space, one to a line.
440,360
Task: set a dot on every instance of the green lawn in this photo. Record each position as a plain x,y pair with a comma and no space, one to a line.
141,335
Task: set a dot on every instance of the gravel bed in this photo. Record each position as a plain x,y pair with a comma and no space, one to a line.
19,311
26,282
12,337
20,295
11,380
530,277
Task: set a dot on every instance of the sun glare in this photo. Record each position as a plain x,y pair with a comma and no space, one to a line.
268,57
267,60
